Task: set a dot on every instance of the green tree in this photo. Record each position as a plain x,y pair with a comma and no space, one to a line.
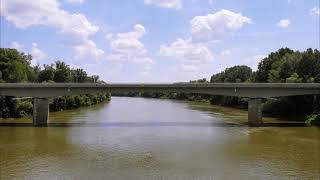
47,74
79,75
62,72
233,74
294,78
265,65
14,66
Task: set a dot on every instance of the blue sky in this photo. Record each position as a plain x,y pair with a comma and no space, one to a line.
157,40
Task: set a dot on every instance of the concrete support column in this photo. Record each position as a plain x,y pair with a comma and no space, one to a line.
40,111
255,112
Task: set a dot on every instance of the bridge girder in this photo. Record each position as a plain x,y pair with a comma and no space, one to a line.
250,90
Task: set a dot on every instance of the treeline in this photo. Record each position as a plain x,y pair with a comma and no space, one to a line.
15,67
282,66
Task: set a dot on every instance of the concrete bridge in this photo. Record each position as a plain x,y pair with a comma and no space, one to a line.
254,91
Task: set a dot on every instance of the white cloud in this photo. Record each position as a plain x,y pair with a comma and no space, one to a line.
45,12
88,50
37,54
283,23
24,14
171,4
127,47
315,11
75,1
193,53
16,45
215,26
27,13
187,51
226,52
129,42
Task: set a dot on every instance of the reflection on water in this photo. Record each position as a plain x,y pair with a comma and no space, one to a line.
136,138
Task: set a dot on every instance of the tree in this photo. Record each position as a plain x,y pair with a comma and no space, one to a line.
14,66
62,72
219,77
309,66
265,65
79,75
203,80
294,78
233,74
47,74
95,78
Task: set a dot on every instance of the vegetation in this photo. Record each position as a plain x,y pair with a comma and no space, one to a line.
313,119
15,67
290,66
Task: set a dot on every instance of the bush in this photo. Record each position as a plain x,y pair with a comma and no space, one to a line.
24,108
313,119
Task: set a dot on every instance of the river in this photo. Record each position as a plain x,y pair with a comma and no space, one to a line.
137,138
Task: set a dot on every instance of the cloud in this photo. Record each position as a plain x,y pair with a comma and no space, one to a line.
187,51
88,50
37,54
216,26
45,12
75,27
75,1
315,11
127,47
170,4
226,52
16,45
193,53
283,23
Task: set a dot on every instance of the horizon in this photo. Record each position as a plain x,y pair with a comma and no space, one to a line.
157,41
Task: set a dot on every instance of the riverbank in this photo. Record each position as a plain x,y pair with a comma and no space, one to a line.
17,108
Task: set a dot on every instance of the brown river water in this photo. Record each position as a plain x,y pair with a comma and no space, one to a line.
137,138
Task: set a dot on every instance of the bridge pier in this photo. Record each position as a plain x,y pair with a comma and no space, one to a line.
40,111
255,112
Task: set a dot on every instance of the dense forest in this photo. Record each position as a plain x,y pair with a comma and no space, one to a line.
282,66
15,67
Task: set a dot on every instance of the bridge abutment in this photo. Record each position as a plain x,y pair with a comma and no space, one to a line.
255,112
40,111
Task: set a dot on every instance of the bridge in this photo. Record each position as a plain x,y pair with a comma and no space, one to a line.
40,92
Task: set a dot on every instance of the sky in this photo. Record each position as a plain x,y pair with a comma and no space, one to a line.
157,40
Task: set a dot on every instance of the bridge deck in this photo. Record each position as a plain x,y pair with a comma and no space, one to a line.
230,85
251,90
